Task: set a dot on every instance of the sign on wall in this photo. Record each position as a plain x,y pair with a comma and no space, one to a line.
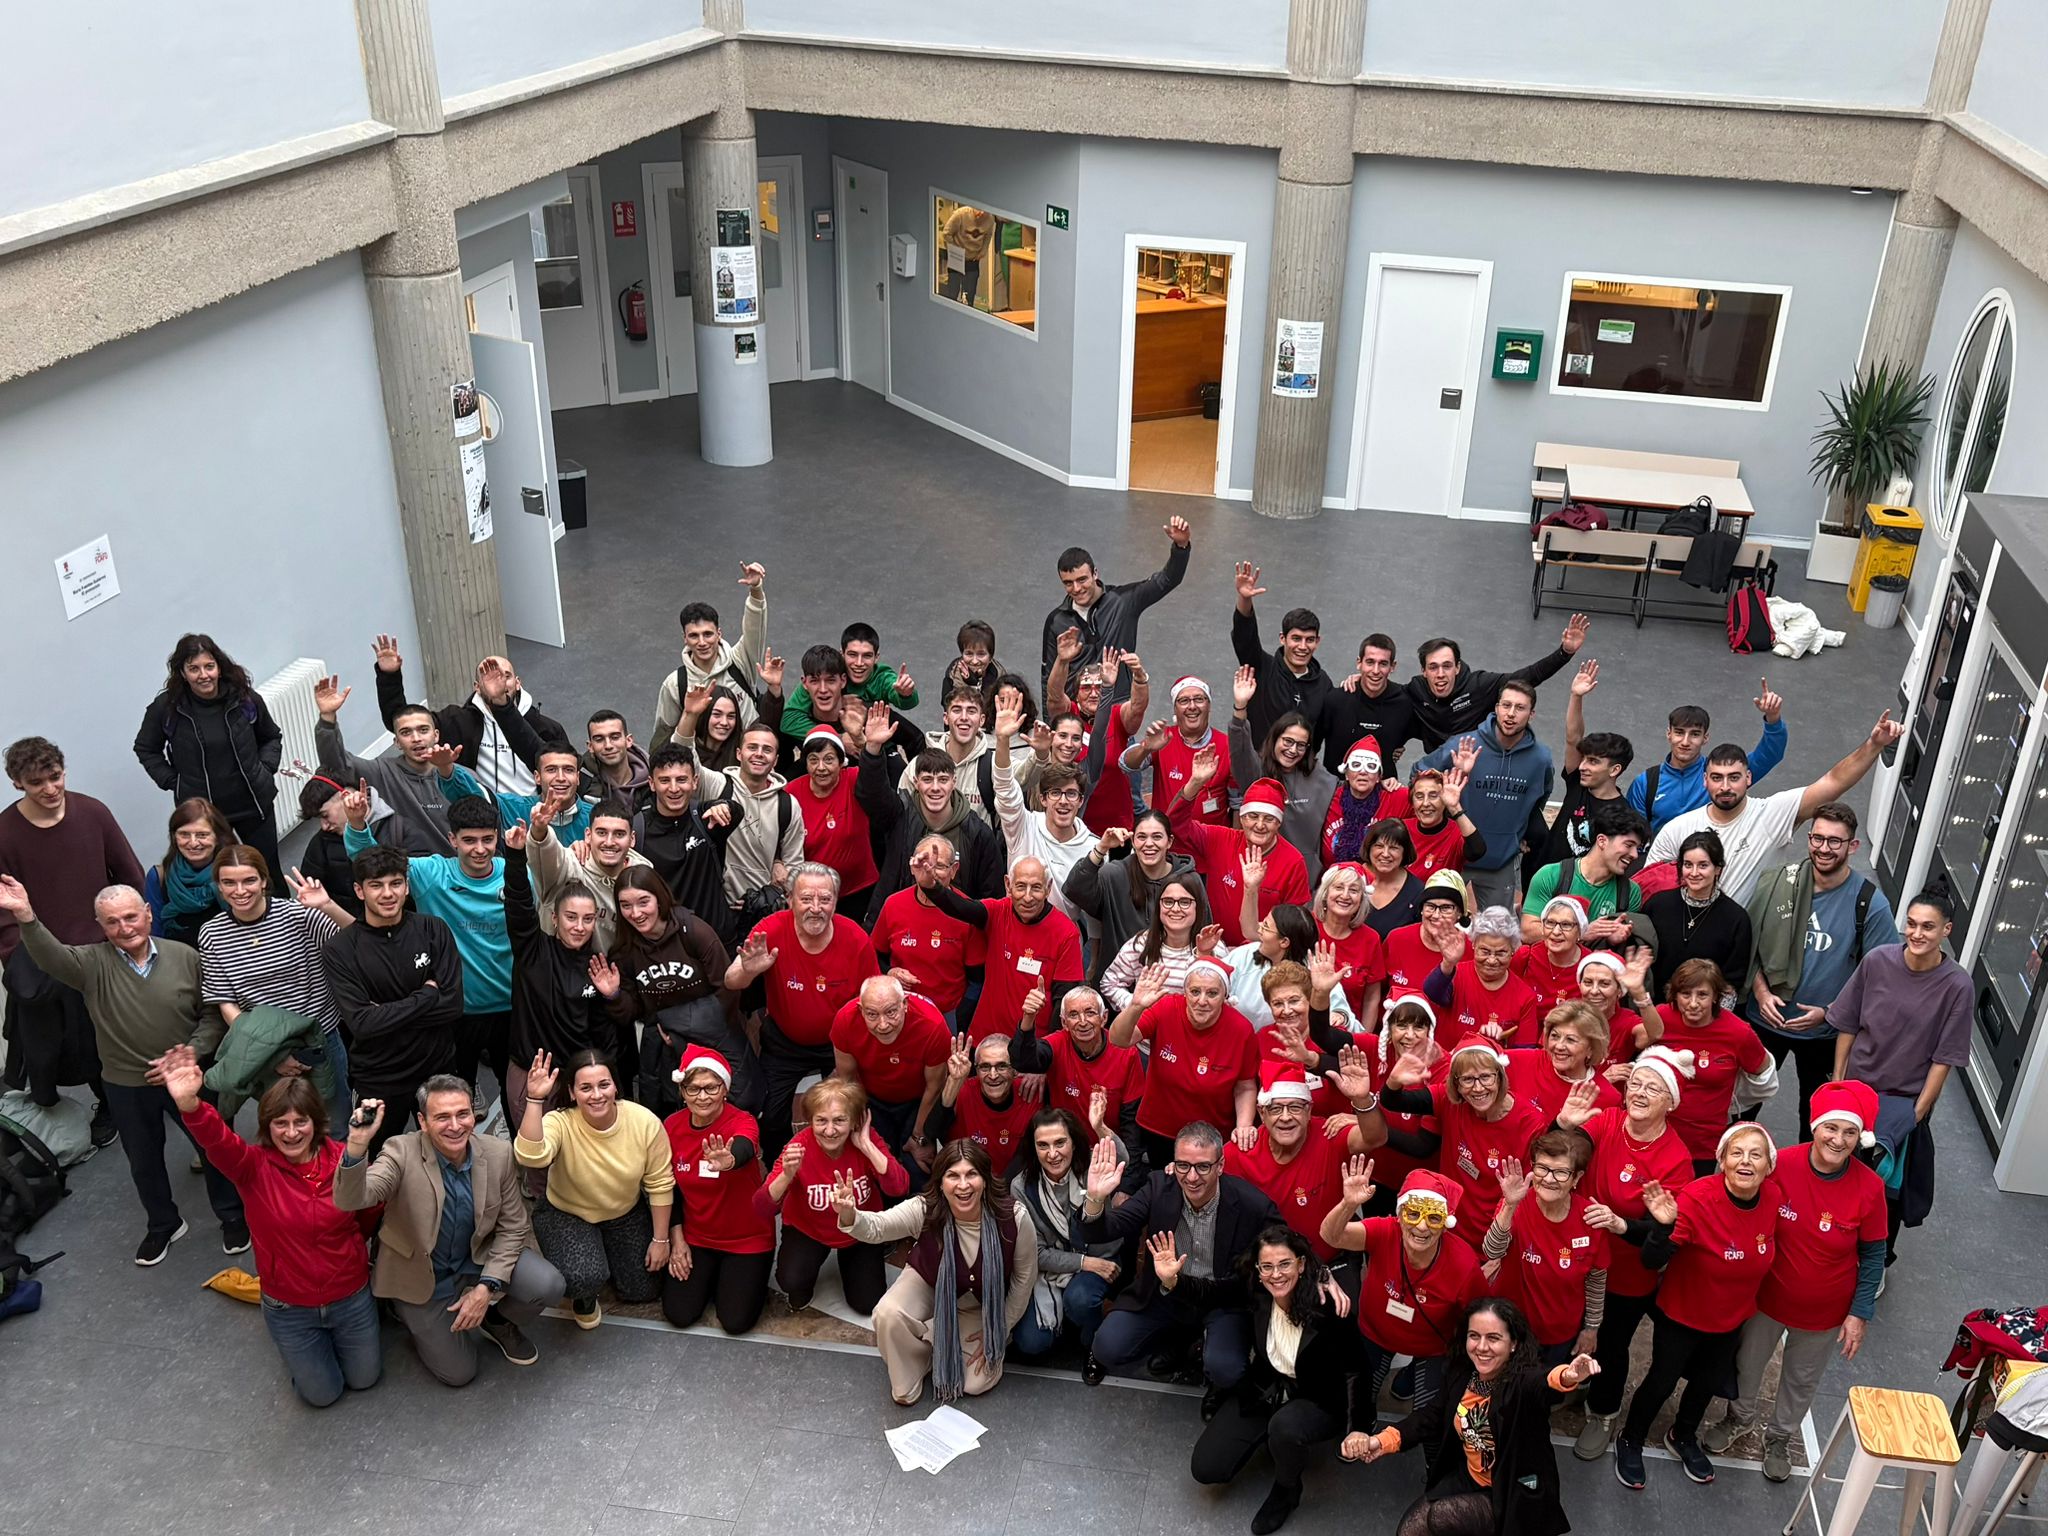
625,220
1057,217
469,446
736,287
86,577
1517,355
1298,358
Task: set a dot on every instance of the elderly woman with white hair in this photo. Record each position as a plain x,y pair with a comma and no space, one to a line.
1340,912
1204,1056
1483,1122
1482,995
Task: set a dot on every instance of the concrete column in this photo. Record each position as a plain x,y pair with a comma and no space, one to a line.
414,280
1311,229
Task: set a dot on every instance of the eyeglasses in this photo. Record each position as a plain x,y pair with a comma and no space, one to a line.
702,1090
1069,793
1551,1175
1195,1170
1827,844
1424,1216
1475,1079
992,1068
1176,901
1567,924
1278,1271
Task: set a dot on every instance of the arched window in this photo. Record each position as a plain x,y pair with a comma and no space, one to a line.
1971,418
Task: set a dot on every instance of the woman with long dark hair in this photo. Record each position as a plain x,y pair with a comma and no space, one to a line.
1120,893
1170,940
208,735
1048,1186
181,891
710,727
966,1283
1696,919
1288,757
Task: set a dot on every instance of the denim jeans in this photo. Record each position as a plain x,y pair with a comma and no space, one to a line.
328,1348
1081,1309
339,1103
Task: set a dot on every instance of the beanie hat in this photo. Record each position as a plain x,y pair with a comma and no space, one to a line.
1190,683
1450,880
823,736
1577,906
1364,756
1611,959
1267,795
1423,1186
1283,1080
702,1056
1770,1146
1851,1101
1669,1064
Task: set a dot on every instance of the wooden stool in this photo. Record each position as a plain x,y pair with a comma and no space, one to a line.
1907,1430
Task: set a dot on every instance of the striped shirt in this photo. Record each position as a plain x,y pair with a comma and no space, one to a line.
273,962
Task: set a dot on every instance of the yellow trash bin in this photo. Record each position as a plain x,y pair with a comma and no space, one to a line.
1889,543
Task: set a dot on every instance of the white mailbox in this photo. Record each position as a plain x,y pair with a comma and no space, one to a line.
903,255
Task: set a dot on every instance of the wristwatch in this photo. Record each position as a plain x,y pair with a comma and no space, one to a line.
492,1284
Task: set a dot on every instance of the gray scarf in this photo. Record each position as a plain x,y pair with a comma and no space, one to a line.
949,1368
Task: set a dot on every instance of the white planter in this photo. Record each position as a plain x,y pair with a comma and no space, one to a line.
1832,556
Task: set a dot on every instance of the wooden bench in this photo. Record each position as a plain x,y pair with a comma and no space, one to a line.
1554,456
1643,558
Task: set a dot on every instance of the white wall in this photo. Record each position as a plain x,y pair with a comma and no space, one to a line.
1249,34
480,43
239,460
1536,225
1809,50
1191,191
810,138
102,95
2006,91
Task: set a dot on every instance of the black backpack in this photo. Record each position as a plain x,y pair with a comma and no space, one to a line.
31,1180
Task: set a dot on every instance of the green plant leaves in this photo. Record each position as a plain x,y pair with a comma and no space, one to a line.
1872,432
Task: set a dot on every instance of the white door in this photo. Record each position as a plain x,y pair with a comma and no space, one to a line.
515,461
668,259
862,202
572,304
780,216
1419,374
491,303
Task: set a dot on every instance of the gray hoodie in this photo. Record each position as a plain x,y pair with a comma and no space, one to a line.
734,662
1508,783
759,841
418,811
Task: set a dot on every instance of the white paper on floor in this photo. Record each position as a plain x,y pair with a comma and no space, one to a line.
932,1442
830,1298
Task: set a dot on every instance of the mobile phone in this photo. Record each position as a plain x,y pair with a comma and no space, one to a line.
365,1112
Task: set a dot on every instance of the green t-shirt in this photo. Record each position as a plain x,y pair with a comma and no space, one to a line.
1602,900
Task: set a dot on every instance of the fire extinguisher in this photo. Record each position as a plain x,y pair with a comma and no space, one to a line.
633,311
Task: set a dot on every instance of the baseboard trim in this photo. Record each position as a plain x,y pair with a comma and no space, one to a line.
821,373
981,439
1093,482
1491,515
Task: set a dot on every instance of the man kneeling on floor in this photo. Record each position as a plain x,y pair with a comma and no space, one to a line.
455,1252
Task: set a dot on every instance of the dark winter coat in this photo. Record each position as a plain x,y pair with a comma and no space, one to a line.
172,753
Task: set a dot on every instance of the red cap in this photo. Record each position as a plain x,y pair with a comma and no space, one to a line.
823,735
1423,1184
1220,967
1370,746
696,1056
1284,1080
1268,795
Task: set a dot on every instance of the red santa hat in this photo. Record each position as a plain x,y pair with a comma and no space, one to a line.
1424,1186
696,1056
1581,912
1364,756
1736,1129
1671,1065
1187,684
1851,1102
1611,959
1408,1000
1283,1080
1483,1046
1221,968
824,736
1268,795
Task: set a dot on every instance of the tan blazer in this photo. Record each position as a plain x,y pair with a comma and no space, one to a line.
406,1180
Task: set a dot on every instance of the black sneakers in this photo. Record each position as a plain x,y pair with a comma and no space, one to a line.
156,1244
104,1135
1628,1463
515,1346
1697,1465
1280,1503
234,1238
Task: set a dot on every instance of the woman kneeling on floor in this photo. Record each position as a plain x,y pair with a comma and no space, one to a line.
720,1247
604,1215
837,1147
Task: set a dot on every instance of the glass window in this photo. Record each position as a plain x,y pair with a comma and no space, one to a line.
1990,752
1972,413
2013,945
1663,338
985,261
558,265
771,237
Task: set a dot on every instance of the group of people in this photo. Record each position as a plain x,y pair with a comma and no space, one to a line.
1065,1025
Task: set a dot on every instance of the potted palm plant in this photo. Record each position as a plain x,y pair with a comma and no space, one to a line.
1871,437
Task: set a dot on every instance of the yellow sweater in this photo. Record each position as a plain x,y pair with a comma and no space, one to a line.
599,1175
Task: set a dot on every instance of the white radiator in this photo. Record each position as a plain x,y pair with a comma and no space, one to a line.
289,693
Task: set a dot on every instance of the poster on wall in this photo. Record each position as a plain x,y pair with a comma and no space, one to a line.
1298,358
736,289
469,445
1620,331
86,577
746,347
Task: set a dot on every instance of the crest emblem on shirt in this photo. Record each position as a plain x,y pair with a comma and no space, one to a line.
1706,1060
1627,1174
1564,1258
588,991
820,984
420,961
1827,1221
937,939
1202,1066
1762,1243
1300,1195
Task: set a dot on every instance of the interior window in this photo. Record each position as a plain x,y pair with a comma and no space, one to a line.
558,268
985,261
1654,336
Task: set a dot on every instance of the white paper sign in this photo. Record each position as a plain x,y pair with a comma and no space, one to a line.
1298,358
735,292
86,577
469,445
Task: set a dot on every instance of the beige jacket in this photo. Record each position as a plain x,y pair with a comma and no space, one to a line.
555,868
406,1180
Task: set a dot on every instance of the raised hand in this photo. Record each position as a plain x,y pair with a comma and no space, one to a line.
1635,970
959,1063
1579,1104
1156,734
1098,1111
1149,987
905,685
771,669
329,696
1068,644
696,701
1453,948
1112,839
1206,765
751,574
604,976
1041,739
355,805
1660,1203
792,1159
1112,661
1033,1002
1886,731
540,1077
1455,782
877,727
514,837
1105,1172
496,680
385,651
1769,704
1167,1260
864,1136
1513,1180
1410,1071
540,818
755,955
1584,1368
1251,864
363,1125
719,815
1574,634
1209,939
845,1201
1177,529
1358,1185
306,891
717,1152
14,900
1586,679
1601,1218
1009,713
1353,1077
1324,974
178,1071
853,718
1244,687
1465,756
1246,577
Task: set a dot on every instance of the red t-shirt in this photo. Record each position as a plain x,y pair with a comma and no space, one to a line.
933,947
1415,1312
894,1073
717,1209
1723,1254
1362,950
1109,803
1512,1006
1546,1266
805,991
1194,1073
1216,852
1072,1079
1723,1048
1552,984
999,1132
1324,1100
836,831
1620,1168
807,1204
1304,1188
1821,1224
1171,766
1389,1165
1472,1151
1408,960
1442,849
1621,1035
1018,957
1533,1080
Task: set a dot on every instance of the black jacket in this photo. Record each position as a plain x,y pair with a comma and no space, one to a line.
1112,621
1388,720
169,747
1156,1207
462,725
401,1030
1521,1446
690,858
1330,1359
556,1007
327,861
1470,700
1280,691
895,824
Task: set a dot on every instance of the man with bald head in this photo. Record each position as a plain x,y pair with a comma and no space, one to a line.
143,995
894,1044
1033,949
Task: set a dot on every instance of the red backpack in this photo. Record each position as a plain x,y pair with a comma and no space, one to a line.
1749,619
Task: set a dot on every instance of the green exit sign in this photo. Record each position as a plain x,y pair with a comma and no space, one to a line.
1058,217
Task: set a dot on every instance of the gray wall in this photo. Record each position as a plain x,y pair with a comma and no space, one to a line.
1536,225
618,176
1191,191
968,369
1810,50
788,133
512,241
480,43
1249,34
102,95
2007,89
239,460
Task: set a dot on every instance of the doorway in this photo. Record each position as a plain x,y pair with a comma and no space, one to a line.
779,217
572,298
490,303
1418,379
668,268
1179,354
860,203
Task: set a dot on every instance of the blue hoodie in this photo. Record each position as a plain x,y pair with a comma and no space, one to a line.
1508,784
1685,789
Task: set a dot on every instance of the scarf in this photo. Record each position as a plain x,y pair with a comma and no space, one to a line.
949,1368
1349,818
189,889
1054,1223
